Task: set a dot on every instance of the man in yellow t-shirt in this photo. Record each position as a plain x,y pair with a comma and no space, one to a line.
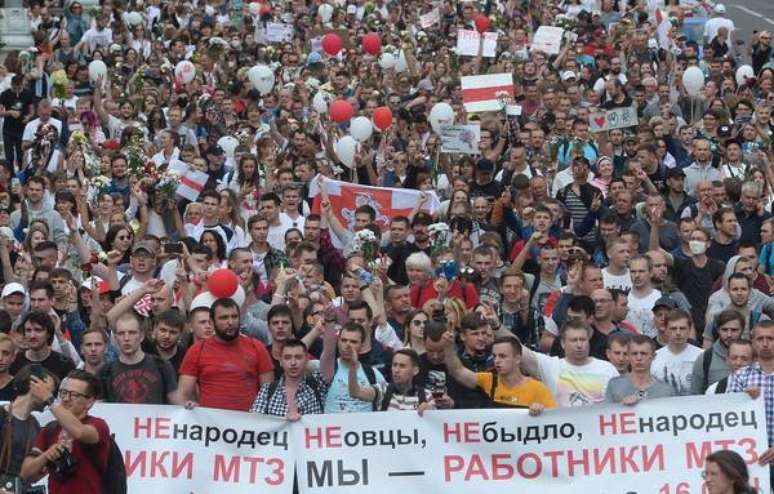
507,386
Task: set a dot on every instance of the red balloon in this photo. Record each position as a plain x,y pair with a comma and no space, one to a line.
482,23
332,44
265,9
223,283
382,118
340,111
372,44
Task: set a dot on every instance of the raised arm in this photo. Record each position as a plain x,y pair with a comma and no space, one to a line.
365,393
465,376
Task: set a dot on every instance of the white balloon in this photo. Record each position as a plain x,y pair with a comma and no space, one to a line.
204,299
239,296
440,115
693,80
743,73
401,65
97,69
185,71
228,144
134,18
262,78
325,12
387,60
345,149
361,128
320,102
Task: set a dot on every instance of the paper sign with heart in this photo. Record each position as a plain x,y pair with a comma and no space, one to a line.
617,118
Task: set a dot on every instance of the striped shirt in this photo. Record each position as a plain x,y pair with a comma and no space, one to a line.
753,376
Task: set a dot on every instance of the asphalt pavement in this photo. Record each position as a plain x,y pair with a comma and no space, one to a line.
751,15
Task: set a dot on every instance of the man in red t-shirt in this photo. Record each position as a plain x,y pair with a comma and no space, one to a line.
228,368
73,432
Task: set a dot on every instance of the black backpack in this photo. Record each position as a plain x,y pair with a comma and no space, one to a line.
114,474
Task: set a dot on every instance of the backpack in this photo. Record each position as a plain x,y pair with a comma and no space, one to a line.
370,375
387,398
705,363
113,475
310,381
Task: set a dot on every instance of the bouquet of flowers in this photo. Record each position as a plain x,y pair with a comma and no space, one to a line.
166,184
439,236
59,82
365,243
96,186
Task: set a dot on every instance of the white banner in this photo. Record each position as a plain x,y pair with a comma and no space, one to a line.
277,32
656,447
548,39
617,118
469,43
460,138
176,451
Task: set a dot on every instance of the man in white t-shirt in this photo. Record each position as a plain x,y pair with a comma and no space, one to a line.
717,21
643,297
577,379
674,362
616,274
44,118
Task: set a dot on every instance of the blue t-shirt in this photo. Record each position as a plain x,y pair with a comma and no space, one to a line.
766,258
338,399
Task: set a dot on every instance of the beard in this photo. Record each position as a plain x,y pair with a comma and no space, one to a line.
225,336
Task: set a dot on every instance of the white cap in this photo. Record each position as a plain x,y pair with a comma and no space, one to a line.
11,288
568,74
720,9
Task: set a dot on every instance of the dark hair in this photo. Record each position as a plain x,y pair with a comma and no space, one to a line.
221,253
574,323
582,303
411,354
734,468
472,321
509,340
294,343
209,193
171,318
21,380
43,285
271,196
112,233
226,303
641,339
434,330
622,339
103,334
93,384
359,305
353,327
279,310
739,276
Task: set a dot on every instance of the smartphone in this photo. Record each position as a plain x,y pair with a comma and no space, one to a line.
38,371
15,183
447,269
173,247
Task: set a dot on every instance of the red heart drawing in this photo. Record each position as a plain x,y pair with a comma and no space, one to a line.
600,121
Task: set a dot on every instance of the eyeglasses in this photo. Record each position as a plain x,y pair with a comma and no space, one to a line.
65,394
417,322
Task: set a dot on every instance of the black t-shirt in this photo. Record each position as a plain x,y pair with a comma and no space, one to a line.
432,377
23,433
56,363
8,392
696,283
147,382
21,103
722,252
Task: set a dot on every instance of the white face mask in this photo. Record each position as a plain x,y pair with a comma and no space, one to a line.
697,247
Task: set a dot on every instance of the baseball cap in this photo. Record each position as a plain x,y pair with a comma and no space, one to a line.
146,246
11,288
425,85
215,150
720,9
313,58
675,172
664,302
485,165
568,74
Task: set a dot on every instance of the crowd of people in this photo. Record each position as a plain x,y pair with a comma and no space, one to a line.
563,267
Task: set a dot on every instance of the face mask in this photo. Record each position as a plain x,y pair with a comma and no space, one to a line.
697,247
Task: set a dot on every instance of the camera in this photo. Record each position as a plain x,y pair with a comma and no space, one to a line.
63,467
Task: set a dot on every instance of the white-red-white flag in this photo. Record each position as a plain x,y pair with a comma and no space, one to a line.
192,184
487,92
346,197
663,25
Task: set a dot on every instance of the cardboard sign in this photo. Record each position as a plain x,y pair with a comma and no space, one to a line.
460,138
469,42
430,19
548,39
277,32
617,118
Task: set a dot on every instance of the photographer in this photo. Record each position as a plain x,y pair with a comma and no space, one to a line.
18,428
72,449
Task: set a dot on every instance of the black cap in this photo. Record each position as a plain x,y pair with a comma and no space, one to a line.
485,165
675,172
665,302
216,150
